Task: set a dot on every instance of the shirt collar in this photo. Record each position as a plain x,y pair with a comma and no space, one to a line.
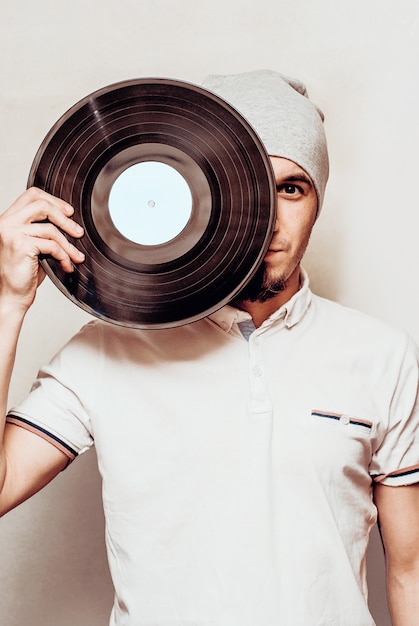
291,312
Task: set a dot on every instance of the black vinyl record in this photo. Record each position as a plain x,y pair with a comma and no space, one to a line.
223,166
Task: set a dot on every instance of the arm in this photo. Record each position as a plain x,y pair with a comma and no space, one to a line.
398,518
27,462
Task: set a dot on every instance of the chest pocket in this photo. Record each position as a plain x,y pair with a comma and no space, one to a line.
340,442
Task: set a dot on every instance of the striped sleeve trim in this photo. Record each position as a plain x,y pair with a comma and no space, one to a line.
38,430
404,476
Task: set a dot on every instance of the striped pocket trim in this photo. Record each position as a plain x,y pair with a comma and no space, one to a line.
343,418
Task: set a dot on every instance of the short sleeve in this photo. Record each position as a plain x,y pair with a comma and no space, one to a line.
396,460
58,406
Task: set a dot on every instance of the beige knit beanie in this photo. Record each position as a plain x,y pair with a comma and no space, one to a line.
279,110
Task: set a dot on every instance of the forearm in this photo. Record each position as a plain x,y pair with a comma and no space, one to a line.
403,597
11,319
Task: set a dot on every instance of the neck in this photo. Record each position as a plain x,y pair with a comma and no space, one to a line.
260,311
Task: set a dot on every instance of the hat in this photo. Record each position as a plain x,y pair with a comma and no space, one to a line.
279,110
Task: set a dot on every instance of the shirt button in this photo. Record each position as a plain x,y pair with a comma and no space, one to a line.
345,419
257,372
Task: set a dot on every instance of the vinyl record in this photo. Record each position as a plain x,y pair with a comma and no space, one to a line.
175,192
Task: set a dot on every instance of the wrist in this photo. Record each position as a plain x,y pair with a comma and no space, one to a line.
12,312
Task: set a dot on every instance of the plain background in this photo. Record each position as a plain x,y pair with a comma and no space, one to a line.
358,59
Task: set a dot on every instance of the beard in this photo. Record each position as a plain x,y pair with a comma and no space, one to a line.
261,287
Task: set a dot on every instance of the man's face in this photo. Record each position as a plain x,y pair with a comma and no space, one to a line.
296,214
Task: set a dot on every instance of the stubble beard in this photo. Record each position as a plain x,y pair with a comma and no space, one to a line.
261,287
268,283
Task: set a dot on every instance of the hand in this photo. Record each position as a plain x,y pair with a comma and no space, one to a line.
30,227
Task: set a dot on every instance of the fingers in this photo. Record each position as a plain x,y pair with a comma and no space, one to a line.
47,240
35,224
36,221
36,205
44,199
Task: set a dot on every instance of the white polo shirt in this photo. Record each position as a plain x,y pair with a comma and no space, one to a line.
237,474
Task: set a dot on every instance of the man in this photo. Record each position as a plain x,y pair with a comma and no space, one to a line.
243,456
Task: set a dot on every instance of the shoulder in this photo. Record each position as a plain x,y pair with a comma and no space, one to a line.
358,328
334,311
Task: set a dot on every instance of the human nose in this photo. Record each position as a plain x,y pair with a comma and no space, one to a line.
276,225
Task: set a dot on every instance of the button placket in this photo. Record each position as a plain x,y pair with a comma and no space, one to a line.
259,396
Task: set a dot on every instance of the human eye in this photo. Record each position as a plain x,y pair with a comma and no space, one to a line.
290,189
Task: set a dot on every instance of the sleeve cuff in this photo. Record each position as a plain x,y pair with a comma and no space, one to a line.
400,477
41,432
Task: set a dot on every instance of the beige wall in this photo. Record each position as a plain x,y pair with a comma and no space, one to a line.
359,61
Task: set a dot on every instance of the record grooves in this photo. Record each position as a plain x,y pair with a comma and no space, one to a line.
231,184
